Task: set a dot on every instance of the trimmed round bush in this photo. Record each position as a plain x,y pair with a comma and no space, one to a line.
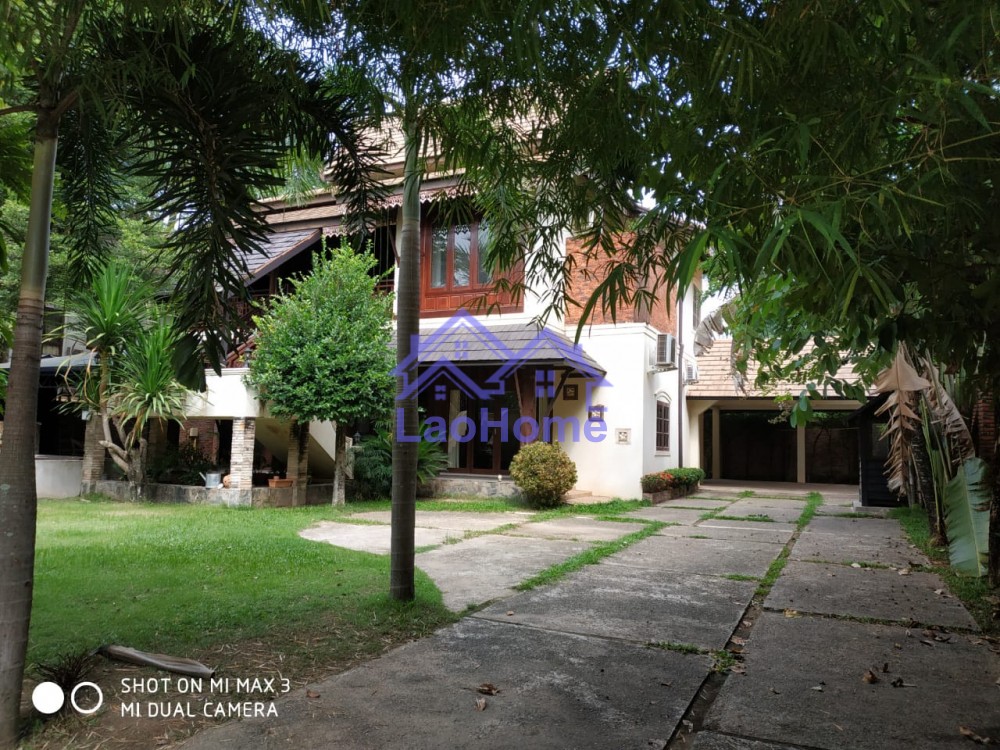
544,473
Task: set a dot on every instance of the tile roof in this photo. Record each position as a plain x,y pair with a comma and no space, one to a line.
511,343
718,380
280,247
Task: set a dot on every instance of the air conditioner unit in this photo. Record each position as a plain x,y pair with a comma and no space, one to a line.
690,372
666,352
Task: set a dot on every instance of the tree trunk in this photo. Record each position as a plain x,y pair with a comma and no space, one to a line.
340,465
406,422
18,501
994,533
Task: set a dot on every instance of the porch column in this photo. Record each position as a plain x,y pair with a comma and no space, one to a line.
241,456
93,452
800,454
716,444
524,380
298,460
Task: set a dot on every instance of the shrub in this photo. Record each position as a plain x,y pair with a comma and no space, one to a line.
682,479
373,462
544,473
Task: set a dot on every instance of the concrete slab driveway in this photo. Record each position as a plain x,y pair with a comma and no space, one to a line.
620,654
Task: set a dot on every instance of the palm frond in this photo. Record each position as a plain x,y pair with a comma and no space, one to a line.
902,383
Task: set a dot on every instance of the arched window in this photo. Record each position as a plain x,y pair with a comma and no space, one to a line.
662,422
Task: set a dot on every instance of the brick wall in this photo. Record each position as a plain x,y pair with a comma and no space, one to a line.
208,437
584,277
984,427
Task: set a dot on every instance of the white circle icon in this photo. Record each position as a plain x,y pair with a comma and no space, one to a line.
92,709
48,697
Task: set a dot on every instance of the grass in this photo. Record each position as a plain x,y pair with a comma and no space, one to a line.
975,593
722,660
178,579
746,493
813,501
771,576
591,556
610,509
740,577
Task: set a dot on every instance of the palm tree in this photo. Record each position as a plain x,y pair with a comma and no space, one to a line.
181,86
135,378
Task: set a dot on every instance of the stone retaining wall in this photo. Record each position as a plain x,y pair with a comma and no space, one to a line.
257,497
671,494
477,486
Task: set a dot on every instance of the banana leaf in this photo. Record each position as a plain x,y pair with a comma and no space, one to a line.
967,500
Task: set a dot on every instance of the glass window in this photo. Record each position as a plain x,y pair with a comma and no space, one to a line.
484,273
662,426
463,255
439,257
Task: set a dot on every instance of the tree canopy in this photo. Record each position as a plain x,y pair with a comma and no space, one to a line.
323,351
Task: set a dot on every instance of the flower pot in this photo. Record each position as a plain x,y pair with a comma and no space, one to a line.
275,482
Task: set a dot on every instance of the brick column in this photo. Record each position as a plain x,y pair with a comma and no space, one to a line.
298,460
93,452
241,459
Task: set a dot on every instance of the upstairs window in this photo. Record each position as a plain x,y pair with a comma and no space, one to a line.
457,260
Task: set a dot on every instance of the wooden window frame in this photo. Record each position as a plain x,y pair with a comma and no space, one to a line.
662,435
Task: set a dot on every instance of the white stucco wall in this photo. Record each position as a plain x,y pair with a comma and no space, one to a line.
226,396
613,468
58,476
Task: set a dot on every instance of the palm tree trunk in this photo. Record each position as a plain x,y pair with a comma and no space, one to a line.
18,501
404,454
993,565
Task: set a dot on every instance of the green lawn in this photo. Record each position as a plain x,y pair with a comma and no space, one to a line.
178,579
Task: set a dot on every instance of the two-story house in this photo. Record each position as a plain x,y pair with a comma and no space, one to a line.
613,400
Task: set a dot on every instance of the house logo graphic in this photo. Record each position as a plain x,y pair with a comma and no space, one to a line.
441,362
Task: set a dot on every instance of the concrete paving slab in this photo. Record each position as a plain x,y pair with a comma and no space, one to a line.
669,515
577,528
716,741
717,523
947,685
884,527
371,538
705,556
847,549
693,501
614,601
485,568
787,511
867,592
761,532
454,520
837,510
578,692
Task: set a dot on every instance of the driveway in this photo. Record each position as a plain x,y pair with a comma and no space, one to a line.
668,642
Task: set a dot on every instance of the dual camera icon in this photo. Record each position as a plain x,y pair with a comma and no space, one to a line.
85,698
